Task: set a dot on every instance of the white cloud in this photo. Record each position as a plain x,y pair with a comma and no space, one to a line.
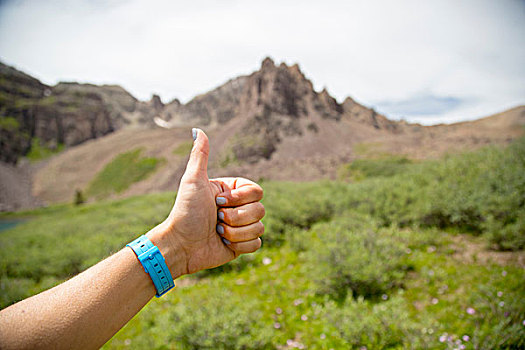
379,52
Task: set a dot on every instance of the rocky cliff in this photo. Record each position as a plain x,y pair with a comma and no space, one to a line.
65,114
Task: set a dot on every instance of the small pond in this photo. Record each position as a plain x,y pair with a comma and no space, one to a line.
9,223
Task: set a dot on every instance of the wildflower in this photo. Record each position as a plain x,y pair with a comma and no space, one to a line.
431,249
465,338
501,303
297,302
434,301
443,338
304,317
384,297
504,273
266,261
470,311
408,250
500,294
276,325
322,336
278,311
462,347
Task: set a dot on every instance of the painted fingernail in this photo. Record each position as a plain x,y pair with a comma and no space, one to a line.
194,133
221,215
220,200
220,229
225,241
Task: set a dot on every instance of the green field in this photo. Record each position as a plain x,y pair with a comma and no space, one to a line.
407,255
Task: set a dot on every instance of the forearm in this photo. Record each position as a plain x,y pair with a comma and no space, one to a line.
85,311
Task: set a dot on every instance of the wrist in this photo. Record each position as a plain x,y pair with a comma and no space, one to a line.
171,250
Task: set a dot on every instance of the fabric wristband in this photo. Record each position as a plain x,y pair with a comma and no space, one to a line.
153,262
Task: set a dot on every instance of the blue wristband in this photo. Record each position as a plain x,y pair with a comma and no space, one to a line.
153,262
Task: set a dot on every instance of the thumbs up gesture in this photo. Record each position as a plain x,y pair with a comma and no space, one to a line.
212,221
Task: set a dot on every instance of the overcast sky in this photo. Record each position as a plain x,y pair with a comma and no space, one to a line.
424,61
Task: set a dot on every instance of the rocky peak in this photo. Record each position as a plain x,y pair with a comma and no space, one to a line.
277,89
267,63
156,103
327,106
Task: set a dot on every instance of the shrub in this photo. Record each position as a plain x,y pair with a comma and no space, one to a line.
79,197
220,321
481,192
378,167
298,205
375,326
351,255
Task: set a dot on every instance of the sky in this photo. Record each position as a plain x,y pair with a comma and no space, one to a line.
423,61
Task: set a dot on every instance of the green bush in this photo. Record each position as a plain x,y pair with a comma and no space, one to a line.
220,321
297,205
385,325
479,192
361,169
350,255
40,151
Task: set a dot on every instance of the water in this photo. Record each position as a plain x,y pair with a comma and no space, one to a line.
8,224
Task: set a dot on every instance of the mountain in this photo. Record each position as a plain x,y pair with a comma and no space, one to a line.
65,114
271,124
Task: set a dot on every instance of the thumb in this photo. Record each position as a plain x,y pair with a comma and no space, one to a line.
198,162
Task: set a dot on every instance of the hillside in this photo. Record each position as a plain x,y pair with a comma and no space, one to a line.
425,255
271,124
34,115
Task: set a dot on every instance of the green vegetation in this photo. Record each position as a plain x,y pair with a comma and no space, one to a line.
9,124
364,168
183,149
123,171
40,151
399,260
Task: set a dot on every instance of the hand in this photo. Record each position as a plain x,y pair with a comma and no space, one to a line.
191,235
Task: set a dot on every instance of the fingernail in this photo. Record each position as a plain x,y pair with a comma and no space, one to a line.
221,215
220,200
225,241
194,133
220,229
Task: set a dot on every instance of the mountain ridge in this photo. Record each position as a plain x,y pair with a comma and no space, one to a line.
270,124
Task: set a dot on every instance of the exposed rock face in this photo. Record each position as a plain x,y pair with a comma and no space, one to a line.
210,109
67,114
279,102
19,94
369,116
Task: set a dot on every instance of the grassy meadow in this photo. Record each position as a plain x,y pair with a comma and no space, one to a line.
397,254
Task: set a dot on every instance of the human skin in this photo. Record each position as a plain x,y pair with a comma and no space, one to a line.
87,310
